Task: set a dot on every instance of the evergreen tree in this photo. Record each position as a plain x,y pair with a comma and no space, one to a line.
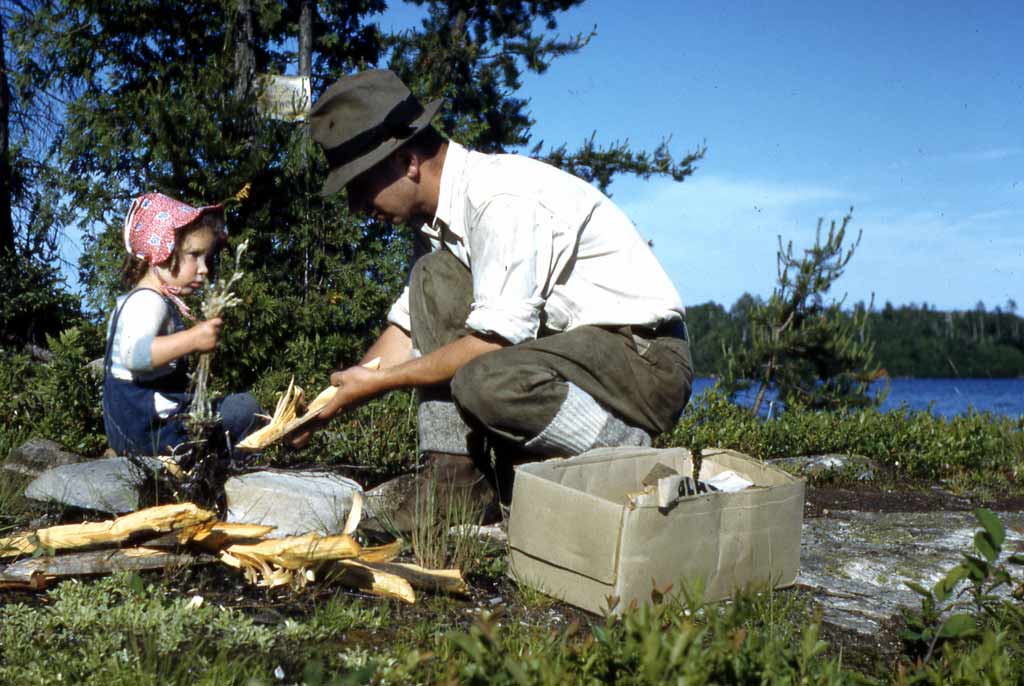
161,96
801,345
35,301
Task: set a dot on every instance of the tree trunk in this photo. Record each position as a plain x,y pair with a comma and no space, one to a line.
245,56
6,220
769,373
306,38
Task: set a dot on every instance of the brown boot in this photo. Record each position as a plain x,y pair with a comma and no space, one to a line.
446,482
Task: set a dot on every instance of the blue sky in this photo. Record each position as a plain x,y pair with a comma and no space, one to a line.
911,114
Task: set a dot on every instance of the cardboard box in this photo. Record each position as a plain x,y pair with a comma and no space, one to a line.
580,531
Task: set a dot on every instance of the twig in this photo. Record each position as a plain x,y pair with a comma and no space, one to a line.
218,299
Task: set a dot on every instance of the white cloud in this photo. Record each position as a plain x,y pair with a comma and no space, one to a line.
717,238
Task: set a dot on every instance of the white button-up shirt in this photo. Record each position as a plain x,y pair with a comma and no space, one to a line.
538,240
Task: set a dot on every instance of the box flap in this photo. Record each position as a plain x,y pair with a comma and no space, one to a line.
566,527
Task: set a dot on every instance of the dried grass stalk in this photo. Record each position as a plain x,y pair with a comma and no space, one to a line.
219,298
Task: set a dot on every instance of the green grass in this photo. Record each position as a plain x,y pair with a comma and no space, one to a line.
142,629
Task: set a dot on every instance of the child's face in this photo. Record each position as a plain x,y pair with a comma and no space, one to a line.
194,252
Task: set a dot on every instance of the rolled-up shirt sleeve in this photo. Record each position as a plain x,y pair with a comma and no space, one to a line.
512,264
399,312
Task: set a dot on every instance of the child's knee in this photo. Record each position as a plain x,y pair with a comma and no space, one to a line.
238,413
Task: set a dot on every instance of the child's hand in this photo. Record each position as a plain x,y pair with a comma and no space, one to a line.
205,335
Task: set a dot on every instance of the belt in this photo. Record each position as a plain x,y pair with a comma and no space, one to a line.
672,328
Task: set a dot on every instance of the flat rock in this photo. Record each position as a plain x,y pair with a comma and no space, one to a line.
294,502
492,532
36,455
858,466
107,485
856,564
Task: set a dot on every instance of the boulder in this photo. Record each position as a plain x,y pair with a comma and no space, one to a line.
294,503
36,455
856,564
858,466
107,485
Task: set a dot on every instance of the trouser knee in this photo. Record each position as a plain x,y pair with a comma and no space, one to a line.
440,295
238,414
512,402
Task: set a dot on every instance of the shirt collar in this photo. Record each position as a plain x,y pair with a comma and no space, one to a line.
451,176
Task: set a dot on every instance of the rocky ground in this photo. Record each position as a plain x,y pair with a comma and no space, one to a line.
864,536
862,542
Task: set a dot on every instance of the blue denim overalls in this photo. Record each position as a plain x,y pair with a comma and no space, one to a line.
129,413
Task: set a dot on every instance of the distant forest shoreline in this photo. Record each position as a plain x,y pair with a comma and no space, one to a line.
916,341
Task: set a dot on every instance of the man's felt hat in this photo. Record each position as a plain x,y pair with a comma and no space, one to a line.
363,118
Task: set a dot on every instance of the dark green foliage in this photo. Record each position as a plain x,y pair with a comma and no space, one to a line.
35,302
923,341
144,73
375,441
597,165
909,340
800,344
139,92
59,400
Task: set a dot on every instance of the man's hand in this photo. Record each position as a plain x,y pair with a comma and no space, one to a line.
358,384
355,386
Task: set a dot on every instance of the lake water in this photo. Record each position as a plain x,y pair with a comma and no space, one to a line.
946,397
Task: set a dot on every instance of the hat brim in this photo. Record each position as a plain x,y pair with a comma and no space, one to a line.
340,176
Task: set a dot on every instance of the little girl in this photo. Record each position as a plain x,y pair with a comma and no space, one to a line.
170,245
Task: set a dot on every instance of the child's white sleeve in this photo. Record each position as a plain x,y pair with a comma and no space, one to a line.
145,316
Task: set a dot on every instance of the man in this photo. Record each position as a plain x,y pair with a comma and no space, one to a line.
536,322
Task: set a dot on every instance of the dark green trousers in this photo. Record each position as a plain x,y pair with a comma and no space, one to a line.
561,393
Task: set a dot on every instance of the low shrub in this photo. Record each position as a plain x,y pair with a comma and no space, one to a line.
375,441
663,642
60,399
975,449
970,627
121,630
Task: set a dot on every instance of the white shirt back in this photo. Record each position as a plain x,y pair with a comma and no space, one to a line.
544,247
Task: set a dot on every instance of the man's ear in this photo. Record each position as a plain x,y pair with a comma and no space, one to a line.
410,162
